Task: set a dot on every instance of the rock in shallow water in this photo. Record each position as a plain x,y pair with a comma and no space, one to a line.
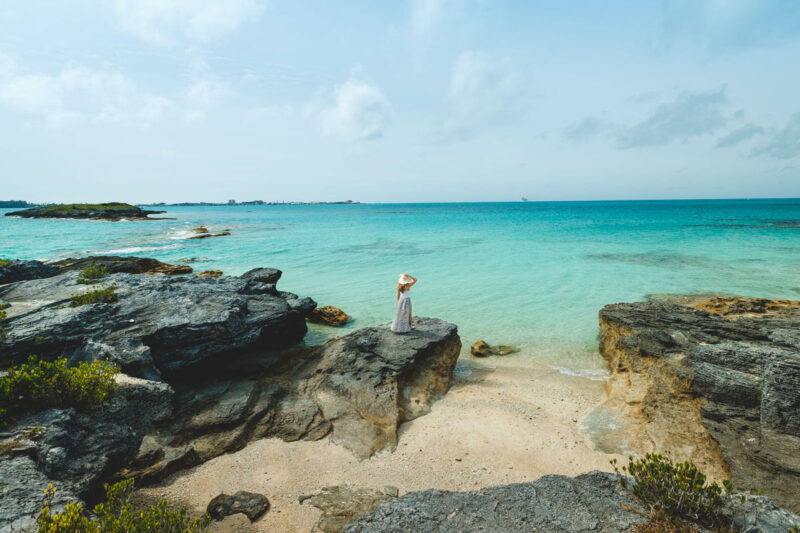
329,315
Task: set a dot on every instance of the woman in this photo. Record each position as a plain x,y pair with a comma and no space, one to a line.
402,314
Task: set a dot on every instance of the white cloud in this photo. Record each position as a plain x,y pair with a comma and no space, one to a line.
203,96
165,21
360,111
739,135
77,93
482,94
691,114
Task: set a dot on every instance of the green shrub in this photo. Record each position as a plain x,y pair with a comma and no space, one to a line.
3,315
5,262
98,294
679,489
92,273
38,385
116,515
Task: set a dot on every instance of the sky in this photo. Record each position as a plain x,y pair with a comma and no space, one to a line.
404,101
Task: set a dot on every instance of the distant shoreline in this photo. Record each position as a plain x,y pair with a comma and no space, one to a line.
234,203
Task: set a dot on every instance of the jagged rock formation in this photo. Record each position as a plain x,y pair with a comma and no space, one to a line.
19,270
223,368
160,326
558,504
75,451
711,379
116,264
589,502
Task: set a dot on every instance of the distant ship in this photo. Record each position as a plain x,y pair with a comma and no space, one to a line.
524,199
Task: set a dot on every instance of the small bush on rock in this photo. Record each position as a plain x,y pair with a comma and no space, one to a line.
3,315
38,385
678,489
91,274
116,515
4,262
99,294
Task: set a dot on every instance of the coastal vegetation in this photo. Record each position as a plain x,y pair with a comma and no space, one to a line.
116,514
676,491
92,273
98,294
4,262
38,385
3,315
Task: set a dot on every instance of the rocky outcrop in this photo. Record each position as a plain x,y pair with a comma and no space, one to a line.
329,315
371,381
711,379
75,451
19,270
160,326
342,504
249,503
109,211
123,264
558,504
590,502
223,368
360,387
207,235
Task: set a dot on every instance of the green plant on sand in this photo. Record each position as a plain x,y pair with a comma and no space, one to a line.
91,274
116,515
677,490
38,385
98,294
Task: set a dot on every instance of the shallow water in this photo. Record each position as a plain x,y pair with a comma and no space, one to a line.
533,275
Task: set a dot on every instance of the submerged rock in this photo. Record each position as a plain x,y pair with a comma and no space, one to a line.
209,274
342,504
718,388
249,503
329,315
479,348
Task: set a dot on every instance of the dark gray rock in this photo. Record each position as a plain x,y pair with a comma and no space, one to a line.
19,270
369,382
107,211
160,325
362,386
122,264
263,275
251,504
589,502
716,376
76,451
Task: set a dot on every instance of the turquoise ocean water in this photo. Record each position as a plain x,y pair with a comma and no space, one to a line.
529,274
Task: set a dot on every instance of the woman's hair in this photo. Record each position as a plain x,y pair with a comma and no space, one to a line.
402,287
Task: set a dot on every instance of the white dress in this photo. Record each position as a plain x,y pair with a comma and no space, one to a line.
401,324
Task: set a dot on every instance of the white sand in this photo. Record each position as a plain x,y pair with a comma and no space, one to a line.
512,424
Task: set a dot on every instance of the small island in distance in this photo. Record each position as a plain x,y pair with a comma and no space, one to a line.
113,211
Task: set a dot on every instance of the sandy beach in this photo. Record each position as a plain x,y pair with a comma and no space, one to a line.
510,421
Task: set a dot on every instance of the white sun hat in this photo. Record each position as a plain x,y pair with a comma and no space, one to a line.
404,279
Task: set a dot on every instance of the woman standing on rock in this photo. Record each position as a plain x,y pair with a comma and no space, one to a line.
402,314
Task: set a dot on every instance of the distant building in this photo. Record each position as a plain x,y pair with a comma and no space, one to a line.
231,202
